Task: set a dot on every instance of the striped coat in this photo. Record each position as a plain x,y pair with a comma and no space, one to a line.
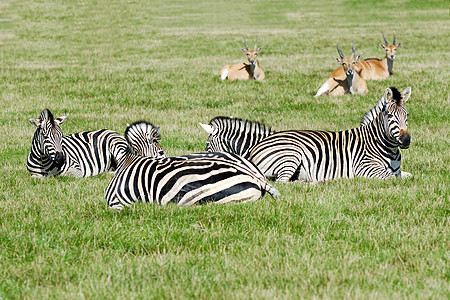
371,150
80,154
186,180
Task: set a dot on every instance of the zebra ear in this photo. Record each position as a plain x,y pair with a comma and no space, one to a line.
387,95
208,128
406,94
61,120
35,122
157,133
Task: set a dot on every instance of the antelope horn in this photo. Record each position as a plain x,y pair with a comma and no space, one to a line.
353,49
339,51
246,47
385,39
394,39
256,43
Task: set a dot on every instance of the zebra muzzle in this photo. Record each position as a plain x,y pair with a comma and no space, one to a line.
59,159
405,140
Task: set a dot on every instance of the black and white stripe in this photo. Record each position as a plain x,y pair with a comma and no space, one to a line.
80,154
234,135
371,150
185,180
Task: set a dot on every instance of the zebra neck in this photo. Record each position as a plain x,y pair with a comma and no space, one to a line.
373,113
382,137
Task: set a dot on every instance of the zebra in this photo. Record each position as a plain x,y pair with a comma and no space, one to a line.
79,155
234,135
184,180
371,150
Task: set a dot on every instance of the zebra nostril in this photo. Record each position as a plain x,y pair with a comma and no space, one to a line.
59,159
405,140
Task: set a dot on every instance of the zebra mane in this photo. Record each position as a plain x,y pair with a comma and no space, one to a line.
46,114
141,131
396,95
374,112
239,125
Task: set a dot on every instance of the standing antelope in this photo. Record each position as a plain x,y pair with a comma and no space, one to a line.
353,82
245,71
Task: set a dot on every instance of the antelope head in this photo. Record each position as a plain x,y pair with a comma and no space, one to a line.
348,63
251,53
390,49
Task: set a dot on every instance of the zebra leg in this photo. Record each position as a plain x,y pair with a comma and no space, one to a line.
115,204
405,174
74,172
36,175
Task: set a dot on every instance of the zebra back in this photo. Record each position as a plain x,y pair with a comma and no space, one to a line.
186,180
234,135
91,153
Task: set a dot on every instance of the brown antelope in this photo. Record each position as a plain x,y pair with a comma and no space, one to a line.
245,71
378,69
374,68
352,82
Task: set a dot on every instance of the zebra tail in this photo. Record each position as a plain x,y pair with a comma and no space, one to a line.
272,191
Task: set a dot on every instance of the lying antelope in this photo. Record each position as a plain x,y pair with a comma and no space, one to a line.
245,71
352,81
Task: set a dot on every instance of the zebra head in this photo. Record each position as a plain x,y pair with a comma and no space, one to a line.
49,137
396,116
214,142
142,138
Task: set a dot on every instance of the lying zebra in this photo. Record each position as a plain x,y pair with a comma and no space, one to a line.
371,150
184,180
80,154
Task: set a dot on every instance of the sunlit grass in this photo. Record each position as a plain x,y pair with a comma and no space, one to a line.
109,63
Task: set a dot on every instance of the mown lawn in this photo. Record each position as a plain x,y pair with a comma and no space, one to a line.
109,63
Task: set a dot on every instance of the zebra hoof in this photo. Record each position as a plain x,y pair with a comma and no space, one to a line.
405,174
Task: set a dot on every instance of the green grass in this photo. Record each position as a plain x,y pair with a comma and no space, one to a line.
109,63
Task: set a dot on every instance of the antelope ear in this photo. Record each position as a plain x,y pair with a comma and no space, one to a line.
406,94
208,128
61,120
35,122
358,58
338,60
383,46
259,49
244,51
398,45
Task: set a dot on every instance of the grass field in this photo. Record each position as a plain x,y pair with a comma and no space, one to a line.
109,63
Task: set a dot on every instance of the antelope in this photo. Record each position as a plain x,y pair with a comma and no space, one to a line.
379,69
245,71
374,68
351,81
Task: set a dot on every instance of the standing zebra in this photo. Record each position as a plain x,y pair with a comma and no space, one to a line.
371,150
80,154
184,180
